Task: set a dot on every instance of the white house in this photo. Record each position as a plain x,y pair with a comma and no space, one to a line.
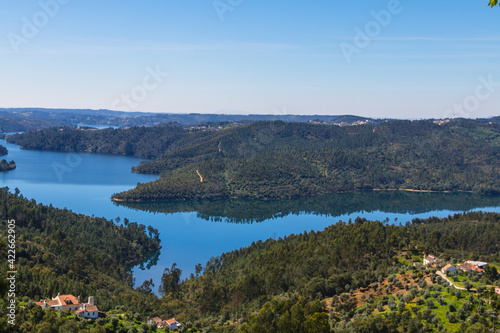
428,260
172,324
88,310
72,304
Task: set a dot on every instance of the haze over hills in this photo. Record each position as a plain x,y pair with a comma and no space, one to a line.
26,119
69,117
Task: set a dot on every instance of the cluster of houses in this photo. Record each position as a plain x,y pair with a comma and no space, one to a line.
468,266
73,304
90,311
171,324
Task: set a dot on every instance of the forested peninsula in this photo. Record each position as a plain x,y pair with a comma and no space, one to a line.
4,165
277,160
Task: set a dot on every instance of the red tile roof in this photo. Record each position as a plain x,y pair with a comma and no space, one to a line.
171,321
91,308
68,299
53,302
470,267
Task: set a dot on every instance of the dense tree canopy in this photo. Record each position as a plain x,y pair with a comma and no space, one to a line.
291,160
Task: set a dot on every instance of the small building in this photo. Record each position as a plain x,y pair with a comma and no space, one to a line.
478,264
172,324
428,260
449,269
497,291
467,267
88,312
155,320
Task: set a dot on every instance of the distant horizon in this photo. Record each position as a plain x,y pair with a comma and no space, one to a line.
241,114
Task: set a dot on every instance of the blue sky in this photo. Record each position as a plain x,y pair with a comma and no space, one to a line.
425,59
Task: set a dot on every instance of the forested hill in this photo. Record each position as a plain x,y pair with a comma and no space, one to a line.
147,142
351,277
60,251
289,160
17,124
127,119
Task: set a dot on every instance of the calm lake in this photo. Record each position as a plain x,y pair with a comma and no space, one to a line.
192,232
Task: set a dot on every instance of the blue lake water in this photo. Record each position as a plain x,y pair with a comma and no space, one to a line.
192,232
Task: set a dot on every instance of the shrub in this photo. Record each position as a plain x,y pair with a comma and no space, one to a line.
451,306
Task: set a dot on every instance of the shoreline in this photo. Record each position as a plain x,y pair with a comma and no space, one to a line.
268,199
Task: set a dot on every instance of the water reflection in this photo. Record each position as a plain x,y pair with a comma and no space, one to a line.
250,211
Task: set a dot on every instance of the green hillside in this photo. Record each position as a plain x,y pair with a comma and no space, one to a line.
288,160
277,160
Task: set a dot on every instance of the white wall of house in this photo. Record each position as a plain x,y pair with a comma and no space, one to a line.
91,315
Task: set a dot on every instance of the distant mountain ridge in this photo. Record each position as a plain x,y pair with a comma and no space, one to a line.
104,117
127,119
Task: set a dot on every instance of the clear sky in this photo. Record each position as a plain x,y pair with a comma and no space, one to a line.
418,59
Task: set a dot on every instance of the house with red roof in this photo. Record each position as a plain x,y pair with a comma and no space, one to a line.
468,267
73,304
172,324
155,320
